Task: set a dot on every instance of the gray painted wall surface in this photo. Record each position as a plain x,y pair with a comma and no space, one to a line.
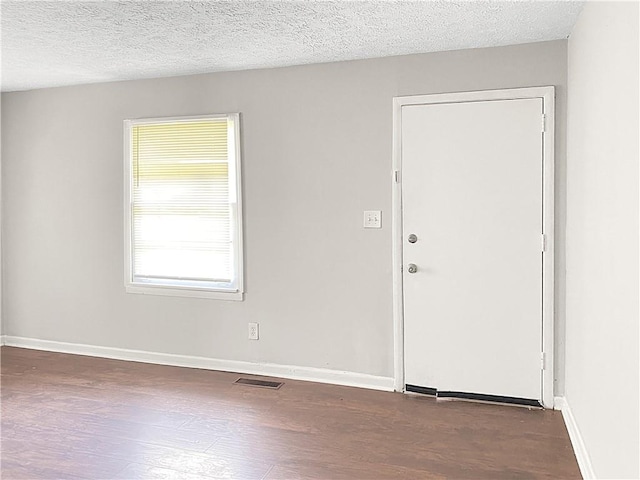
317,152
602,236
1,273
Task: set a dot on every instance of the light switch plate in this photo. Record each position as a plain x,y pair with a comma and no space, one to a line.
372,219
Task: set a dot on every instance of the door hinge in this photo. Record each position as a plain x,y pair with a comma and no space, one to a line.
543,242
544,118
542,359
396,176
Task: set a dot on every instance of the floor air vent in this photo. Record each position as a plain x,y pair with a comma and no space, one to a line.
252,382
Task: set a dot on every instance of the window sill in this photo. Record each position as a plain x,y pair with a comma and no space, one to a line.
185,292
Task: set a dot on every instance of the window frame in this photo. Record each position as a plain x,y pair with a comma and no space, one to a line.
222,292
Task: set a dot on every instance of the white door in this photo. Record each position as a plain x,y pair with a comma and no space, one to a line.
472,191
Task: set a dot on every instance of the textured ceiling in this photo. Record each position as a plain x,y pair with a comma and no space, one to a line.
53,43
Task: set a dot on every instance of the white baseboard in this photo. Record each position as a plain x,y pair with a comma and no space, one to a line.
582,456
321,375
2,337
558,403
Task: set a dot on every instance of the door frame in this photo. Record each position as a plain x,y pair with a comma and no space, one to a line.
547,94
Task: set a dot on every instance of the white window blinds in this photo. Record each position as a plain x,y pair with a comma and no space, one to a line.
183,203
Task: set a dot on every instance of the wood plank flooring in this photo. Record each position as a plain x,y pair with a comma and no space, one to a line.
71,417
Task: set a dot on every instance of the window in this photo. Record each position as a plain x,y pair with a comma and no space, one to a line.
183,232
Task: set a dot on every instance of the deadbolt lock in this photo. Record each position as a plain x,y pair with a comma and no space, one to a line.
412,238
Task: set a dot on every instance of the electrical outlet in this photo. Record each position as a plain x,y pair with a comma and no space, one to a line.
372,219
253,331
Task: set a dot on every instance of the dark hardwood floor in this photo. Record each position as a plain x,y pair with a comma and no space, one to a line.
68,416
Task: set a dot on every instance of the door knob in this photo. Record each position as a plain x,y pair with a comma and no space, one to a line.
412,268
412,238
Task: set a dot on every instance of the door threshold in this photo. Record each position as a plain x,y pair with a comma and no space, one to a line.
441,395
537,406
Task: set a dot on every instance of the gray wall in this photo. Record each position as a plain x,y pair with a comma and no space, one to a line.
317,152
602,236
1,273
